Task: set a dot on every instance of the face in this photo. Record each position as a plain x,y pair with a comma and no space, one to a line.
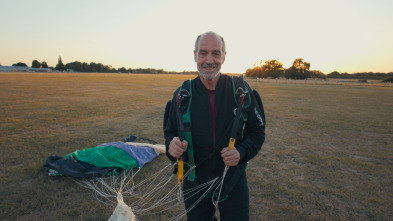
209,56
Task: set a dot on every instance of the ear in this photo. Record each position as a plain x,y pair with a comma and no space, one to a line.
195,56
223,58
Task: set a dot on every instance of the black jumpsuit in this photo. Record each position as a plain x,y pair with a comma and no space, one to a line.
207,155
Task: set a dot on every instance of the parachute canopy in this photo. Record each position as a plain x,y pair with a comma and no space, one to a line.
103,159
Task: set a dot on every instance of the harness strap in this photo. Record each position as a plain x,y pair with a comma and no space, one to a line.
187,134
243,103
236,84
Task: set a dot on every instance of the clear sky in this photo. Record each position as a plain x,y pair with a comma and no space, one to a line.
333,35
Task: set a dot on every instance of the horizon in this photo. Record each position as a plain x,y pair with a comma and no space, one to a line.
184,71
346,36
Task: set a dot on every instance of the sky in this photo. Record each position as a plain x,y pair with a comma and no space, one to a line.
347,36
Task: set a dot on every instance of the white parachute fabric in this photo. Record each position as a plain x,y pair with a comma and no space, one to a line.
122,212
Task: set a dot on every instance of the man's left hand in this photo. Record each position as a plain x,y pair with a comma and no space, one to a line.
230,157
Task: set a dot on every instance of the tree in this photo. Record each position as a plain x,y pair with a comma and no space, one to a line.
35,64
298,70
100,67
94,67
85,67
272,69
253,73
317,74
106,68
20,64
387,80
44,64
300,65
76,66
122,70
60,66
334,74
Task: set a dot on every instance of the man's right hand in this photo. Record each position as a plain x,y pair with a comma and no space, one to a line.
177,147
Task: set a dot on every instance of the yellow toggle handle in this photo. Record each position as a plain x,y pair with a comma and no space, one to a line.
180,167
231,145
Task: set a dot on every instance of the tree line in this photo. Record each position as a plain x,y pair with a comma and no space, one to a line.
300,69
101,68
362,75
88,67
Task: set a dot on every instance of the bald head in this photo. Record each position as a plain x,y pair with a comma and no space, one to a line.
223,48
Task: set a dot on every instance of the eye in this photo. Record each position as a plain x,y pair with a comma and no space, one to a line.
217,54
202,53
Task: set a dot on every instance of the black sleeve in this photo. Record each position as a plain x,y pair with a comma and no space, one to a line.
254,133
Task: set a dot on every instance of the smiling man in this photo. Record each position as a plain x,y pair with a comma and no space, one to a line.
203,109
209,55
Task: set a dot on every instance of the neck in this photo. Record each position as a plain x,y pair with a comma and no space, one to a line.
210,84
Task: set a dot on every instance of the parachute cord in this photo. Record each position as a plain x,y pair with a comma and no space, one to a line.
97,185
221,184
143,182
131,179
160,202
179,192
189,171
156,204
157,192
172,202
151,193
210,186
149,196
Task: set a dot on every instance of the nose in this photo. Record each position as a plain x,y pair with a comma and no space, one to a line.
209,59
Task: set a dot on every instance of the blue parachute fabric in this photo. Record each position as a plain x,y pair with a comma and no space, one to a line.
141,153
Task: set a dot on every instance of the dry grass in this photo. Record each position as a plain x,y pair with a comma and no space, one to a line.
327,154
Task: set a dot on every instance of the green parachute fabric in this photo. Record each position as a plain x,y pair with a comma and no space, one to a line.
105,156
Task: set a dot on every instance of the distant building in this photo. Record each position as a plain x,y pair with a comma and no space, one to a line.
23,69
14,68
40,70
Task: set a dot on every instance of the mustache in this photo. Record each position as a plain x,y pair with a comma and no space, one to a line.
209,65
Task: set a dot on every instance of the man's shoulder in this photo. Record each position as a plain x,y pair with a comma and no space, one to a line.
190,81
225,77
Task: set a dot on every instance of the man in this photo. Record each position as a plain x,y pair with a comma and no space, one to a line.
212,116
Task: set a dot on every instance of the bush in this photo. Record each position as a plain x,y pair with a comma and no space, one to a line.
389,79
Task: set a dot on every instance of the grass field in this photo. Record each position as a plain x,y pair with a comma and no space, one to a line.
327,156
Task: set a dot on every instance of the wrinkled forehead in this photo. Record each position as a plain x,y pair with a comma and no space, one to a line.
210,42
